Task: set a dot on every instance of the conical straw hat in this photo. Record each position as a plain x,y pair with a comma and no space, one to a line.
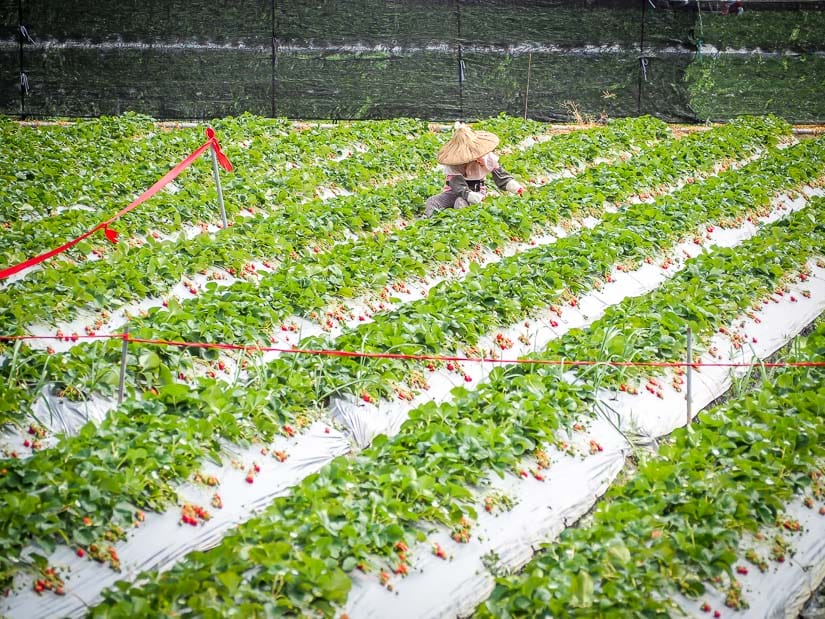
467,145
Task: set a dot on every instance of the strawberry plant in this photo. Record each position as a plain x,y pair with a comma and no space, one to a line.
337,377
288,283
729,460
154,266
395,482
306,255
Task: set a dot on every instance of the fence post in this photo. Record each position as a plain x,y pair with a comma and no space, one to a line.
527,88
218,184
688,372
123,350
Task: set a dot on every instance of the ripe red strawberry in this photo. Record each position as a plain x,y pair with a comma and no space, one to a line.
80,552
741,569
366,397
705,607
401,569
468,378
450,366
250,479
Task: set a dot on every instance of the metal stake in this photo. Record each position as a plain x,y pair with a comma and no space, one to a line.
218,185
527,87
689,368
123,350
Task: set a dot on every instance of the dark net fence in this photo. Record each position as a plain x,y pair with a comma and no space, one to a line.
438,59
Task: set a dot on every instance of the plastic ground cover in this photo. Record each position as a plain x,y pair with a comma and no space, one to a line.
532,502
766,440
782,590
604,467
543,510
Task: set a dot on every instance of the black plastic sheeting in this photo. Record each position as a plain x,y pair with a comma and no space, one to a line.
436,59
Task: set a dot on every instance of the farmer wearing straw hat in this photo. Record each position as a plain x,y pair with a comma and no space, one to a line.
467,159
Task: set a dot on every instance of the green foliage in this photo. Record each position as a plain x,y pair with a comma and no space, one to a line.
682,515
287,561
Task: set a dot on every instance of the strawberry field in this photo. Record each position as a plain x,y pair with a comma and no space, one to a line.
332,406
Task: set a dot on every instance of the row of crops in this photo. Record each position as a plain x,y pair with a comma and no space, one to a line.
679,521
316,483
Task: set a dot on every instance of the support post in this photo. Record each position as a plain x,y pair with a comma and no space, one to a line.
642,69
688,372
527,88
217,176
123,350
21,59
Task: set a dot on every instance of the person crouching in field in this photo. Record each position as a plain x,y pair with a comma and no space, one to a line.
467,159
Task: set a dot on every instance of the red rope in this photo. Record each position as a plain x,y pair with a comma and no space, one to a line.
211,141
386,355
